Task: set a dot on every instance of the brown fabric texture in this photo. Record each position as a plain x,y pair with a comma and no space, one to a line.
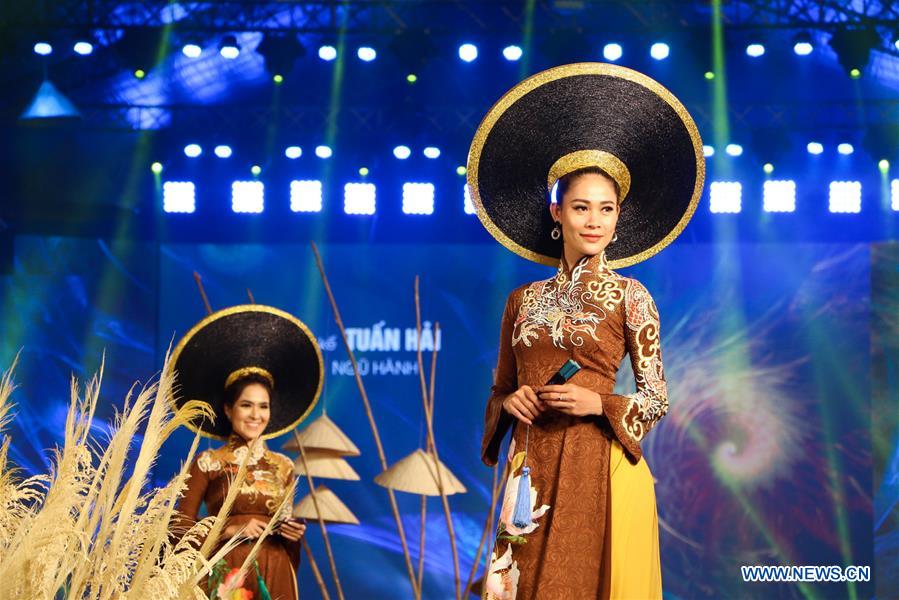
594,316
269,477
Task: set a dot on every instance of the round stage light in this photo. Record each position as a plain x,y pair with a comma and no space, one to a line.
803,44
293,152
278,78
43,48
140,73
461,171
659,51
845,149
156,167
363,171
612,52
323,151
734,149
256,170
411,78
803,48
512,53
708,151
432,152
366,53
191,50
327,53
815,148
83,48
223,151
768,168
402,152
468,52
883,165
855,73
228,47
755,50
709,75
193,150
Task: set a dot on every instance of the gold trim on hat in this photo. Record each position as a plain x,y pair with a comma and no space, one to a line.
548,76
581,159
245,371
241,308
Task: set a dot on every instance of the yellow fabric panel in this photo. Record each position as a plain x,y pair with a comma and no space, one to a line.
632,569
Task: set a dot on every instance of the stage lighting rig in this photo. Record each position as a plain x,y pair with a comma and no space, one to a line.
660,51
803,44
229,47
853,48
280,52
140,49
359,199
412,48
327,53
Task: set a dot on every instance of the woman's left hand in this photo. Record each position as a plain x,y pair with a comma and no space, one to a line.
572,399
292,530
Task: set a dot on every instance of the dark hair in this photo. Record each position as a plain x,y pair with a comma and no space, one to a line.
567,180
233,391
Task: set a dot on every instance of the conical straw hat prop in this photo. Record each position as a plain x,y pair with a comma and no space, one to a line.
332,509
323,434
328,465
417,474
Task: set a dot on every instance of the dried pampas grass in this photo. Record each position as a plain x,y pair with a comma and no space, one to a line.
90,529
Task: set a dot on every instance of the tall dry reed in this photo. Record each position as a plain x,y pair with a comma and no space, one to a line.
92,528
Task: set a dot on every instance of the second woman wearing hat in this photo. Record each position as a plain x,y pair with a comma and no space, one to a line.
261,370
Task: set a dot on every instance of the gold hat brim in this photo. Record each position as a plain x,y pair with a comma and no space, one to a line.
520,93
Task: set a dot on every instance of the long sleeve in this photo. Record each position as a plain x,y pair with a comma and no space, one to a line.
192,499
496,420
633,415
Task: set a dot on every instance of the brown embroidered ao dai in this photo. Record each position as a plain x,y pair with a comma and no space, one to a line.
594,316
269,477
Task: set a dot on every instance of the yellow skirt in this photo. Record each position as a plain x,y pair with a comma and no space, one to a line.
632,569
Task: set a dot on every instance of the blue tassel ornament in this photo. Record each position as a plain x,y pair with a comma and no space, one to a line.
521,516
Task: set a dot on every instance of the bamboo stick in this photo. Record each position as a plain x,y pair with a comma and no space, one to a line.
199,281
424,499
321,520
429,420
315,571
371,421
488,527
421,543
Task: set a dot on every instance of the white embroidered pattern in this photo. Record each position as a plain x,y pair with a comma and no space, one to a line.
207,462
568,309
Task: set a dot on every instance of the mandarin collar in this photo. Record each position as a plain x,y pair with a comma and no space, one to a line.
595,265
235,443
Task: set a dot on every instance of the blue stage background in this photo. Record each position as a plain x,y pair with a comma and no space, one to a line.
764,458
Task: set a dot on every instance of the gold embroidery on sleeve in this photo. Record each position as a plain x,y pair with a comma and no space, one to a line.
650,402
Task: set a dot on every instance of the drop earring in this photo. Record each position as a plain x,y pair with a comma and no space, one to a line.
556,233
615,237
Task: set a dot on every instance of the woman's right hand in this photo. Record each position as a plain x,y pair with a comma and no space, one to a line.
252,529
523,404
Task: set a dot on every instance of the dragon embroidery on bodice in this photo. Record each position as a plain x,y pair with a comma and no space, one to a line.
569,308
